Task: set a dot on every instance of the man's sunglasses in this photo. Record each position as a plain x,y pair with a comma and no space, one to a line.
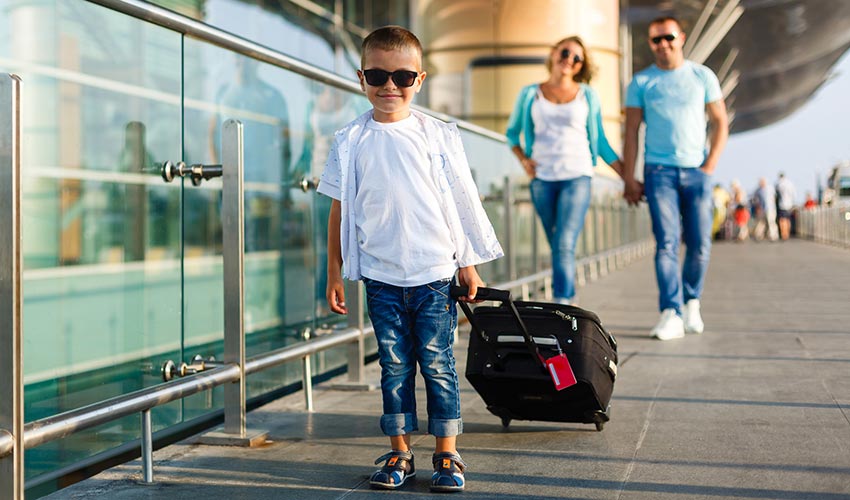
401,77
565,54
669,37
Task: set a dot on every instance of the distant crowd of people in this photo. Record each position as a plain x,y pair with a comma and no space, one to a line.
766,213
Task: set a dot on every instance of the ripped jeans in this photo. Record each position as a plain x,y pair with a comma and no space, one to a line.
416,325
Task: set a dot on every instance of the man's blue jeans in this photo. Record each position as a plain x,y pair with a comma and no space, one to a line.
562,206
416,324
680,206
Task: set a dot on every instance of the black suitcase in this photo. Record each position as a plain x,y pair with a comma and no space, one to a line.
504,370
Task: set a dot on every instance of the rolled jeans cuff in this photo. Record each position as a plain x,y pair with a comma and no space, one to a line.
445,427
398,424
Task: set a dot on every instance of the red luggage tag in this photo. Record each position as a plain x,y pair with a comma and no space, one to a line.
560,370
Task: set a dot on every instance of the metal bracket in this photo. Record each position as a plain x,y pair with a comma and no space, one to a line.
197,172
307,183
170,370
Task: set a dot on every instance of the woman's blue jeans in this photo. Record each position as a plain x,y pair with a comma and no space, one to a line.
416,325
681,209
562,206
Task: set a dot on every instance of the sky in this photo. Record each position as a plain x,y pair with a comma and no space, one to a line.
805,145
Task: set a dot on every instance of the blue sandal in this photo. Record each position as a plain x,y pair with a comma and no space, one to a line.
397,468
448,472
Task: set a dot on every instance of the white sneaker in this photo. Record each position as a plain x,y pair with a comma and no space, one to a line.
692,318
669,327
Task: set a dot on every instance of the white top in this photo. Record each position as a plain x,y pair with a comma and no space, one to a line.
787,193
561,146
469,230
401,231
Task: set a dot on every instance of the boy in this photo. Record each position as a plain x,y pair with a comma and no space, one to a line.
405,216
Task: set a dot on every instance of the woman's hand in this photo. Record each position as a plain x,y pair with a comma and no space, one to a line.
530,167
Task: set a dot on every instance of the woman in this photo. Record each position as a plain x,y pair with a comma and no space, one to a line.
561,122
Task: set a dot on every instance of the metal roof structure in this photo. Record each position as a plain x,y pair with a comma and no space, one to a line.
771,55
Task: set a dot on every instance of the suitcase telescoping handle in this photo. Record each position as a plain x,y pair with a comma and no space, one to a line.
503,296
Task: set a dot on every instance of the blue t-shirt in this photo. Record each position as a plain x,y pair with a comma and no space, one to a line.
673,104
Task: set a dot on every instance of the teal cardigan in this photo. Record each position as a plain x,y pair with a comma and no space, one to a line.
520,123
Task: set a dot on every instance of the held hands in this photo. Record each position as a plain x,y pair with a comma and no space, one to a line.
468,276
633,191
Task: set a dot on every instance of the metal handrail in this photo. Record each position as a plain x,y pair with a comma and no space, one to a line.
825,224
302,349
64,424
204,32
55,427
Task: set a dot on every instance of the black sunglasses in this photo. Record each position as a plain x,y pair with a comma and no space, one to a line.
669,37
401,77
565,54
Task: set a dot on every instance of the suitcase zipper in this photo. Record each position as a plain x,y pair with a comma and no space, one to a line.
567,317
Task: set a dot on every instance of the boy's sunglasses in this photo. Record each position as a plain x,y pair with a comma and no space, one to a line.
565,54
669,37
401,77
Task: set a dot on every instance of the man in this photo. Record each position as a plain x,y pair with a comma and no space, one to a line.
785,203
766,197
673,96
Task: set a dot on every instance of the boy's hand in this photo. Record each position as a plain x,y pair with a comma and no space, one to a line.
335,294
468,276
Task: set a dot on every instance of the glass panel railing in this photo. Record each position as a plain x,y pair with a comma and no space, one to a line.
101,231
288,122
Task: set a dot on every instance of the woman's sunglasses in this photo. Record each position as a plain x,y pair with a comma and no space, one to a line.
669,37
565,54
401,77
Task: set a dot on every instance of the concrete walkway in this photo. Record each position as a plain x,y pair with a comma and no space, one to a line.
757,407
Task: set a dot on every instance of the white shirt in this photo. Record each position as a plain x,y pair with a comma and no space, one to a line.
787,193
561,146
470,230
401,231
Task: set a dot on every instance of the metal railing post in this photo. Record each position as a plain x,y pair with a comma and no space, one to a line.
147,447
233,254
508,243
307,374
233,236
11,297
356,350
535,243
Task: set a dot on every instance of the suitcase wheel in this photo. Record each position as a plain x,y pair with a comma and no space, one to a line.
600,426
506,421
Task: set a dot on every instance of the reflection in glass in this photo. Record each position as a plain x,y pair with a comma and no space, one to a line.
101,231
305,29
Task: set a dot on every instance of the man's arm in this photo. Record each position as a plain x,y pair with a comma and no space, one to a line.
718,135
633,189
335,292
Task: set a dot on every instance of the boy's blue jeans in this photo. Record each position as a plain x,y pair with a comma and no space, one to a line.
680,206
416,324
562,206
